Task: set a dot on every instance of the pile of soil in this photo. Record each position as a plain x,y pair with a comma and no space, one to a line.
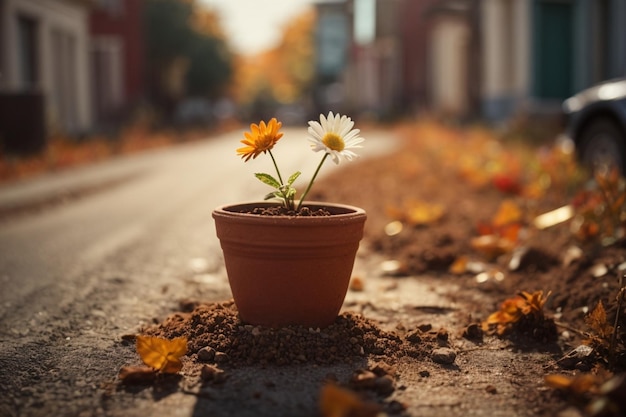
216,334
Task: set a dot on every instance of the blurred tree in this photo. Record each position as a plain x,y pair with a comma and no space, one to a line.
282,75
187,55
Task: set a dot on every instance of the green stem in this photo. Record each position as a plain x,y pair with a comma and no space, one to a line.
312,180
276,166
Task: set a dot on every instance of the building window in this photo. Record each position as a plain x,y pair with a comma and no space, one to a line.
112,7
107,75
64,88
28,52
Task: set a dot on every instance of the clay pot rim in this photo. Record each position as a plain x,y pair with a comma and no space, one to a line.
343,212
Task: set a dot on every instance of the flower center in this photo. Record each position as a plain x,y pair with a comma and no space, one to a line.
333,142
264,142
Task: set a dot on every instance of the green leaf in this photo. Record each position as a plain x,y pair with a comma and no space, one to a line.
275,194
268,179
293,178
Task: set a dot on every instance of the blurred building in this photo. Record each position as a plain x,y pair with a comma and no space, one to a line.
492,59
42,54
117,58
538,52
67,66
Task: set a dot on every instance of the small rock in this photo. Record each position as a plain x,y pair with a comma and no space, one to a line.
213,374
491,389
363,378
382,369
442,335
221,357
383,385
396,407
444,356
206,354
414,336
425,327
473,332
424,374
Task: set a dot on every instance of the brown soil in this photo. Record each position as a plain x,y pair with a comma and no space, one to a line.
425,206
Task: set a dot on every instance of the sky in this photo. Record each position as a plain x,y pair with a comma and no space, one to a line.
256,25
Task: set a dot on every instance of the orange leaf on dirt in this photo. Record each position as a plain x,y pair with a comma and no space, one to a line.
579,384
597,321
162,354
459,266
417,213
508,213
341,402
492,246
513,309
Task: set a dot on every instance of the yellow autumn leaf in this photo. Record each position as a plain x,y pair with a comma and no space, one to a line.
162,354
421,213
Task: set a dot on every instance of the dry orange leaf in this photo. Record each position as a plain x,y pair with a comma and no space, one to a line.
492,246
513,309
340,402
417,213
508,213
162,354
459,266
579,384
597,321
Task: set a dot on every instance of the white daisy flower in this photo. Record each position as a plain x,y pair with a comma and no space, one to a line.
335,136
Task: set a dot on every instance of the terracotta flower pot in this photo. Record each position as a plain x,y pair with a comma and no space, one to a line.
287,270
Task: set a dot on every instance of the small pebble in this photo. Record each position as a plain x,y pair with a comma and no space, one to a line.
414,336
444,356
473,332
384,385
206,354
221,357
213,374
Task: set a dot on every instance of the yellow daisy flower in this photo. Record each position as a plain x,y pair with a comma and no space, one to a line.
335,136
260,139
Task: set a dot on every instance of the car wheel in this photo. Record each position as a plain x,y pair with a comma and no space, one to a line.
602,146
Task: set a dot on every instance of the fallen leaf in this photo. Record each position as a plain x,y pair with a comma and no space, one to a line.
579,384
340,402
597,321
459,266
507,213
513,309
492,246
162,354
421,213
